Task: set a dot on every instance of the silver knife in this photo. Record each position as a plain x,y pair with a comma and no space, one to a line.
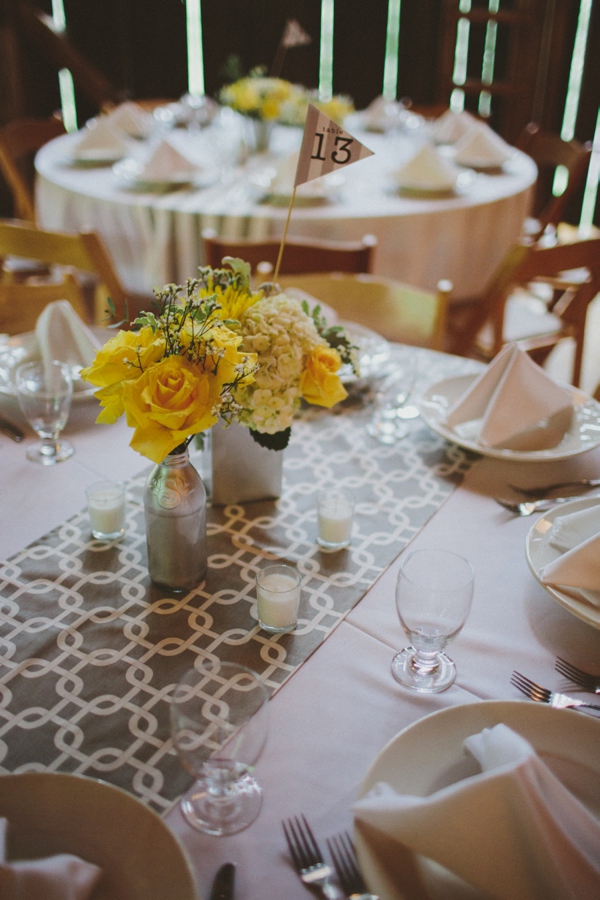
224,883
11,430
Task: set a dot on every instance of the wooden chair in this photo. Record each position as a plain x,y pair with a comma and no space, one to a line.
21,304
300,255
82,252
396,311
548,151
538,297
19,142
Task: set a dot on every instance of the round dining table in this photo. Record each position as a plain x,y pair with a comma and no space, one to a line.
336,708
155,236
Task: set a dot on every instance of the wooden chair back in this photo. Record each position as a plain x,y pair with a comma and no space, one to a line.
548,151
22,303
82,251
299,255
19,142
398,312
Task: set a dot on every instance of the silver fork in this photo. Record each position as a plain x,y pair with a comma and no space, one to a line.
528,507
308,859
537,493
544,695
349,875
590,683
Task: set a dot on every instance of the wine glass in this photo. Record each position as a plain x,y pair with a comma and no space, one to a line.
44,390
433,596
387,425
219,726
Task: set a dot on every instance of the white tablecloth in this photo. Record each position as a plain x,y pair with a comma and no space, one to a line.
156,238
339,709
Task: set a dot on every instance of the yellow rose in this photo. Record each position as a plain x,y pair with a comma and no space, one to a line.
113,363
169,402
225,366
319,383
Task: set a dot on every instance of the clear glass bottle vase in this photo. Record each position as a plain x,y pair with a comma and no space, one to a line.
175,508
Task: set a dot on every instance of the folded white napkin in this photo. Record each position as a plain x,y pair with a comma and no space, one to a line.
382,114
130,118
165,163
451,126
577,536
101,140
60,334
60,877
427,170
514,830
512,404
481,147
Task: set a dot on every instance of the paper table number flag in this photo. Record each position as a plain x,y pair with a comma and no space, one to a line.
326,147
294,34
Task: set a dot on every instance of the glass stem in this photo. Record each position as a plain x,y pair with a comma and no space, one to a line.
424,662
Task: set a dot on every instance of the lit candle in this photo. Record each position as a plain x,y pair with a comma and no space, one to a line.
335,514
278,598
106,509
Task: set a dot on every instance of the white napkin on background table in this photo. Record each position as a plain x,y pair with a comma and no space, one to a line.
514,830
451,126
482,147
427,170
60,877
130,118
509,404
577,536
165,163
101,140
382,114
60,334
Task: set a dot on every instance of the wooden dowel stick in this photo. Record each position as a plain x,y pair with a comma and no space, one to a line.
285,231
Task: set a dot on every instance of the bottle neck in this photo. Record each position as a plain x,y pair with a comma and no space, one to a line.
176,457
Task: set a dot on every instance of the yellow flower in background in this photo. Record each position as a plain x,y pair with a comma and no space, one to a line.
168,403
319,381
337,108
270,108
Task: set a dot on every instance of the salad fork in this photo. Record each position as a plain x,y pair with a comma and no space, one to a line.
349,875
308,859
590,683
544,695
539,492
528,507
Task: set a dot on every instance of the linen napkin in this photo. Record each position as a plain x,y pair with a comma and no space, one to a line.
427,170
130,118
167,164
480,147
60,877
451,126
60,334
382,114
514,831
577,536
513,404
100,140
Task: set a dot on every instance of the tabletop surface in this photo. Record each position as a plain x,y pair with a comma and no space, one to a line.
329,720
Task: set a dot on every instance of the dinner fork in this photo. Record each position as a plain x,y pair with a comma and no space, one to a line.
528,507
537,493
590,683
544,695
349,875
308,859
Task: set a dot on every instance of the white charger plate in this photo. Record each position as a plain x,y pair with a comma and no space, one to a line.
539,553
584,433
51,812
429,755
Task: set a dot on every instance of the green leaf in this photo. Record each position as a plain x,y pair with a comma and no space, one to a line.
240,267
277,441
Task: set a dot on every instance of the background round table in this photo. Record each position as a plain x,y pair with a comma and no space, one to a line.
155,237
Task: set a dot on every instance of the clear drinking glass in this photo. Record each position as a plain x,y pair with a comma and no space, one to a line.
433,596
219,726
44,390
387,425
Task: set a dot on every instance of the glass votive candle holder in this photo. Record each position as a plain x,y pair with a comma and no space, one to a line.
335,515
106,509
278,598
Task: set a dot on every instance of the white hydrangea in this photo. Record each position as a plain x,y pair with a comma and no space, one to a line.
280,332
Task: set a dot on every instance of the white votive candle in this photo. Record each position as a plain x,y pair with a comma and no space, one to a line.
106,509
278,598
335,515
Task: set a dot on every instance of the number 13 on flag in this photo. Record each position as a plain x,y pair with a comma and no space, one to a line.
325,148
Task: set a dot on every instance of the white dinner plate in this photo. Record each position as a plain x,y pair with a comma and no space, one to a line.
96,157
583,434
429,755
539,553
50,812
20,349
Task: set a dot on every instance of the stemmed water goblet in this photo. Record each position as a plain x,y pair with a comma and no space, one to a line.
44,391
388,424
434,591
219,726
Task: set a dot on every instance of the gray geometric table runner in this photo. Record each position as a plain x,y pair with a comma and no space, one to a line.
90,648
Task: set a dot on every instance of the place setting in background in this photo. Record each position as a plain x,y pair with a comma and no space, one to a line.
428,174
278,183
